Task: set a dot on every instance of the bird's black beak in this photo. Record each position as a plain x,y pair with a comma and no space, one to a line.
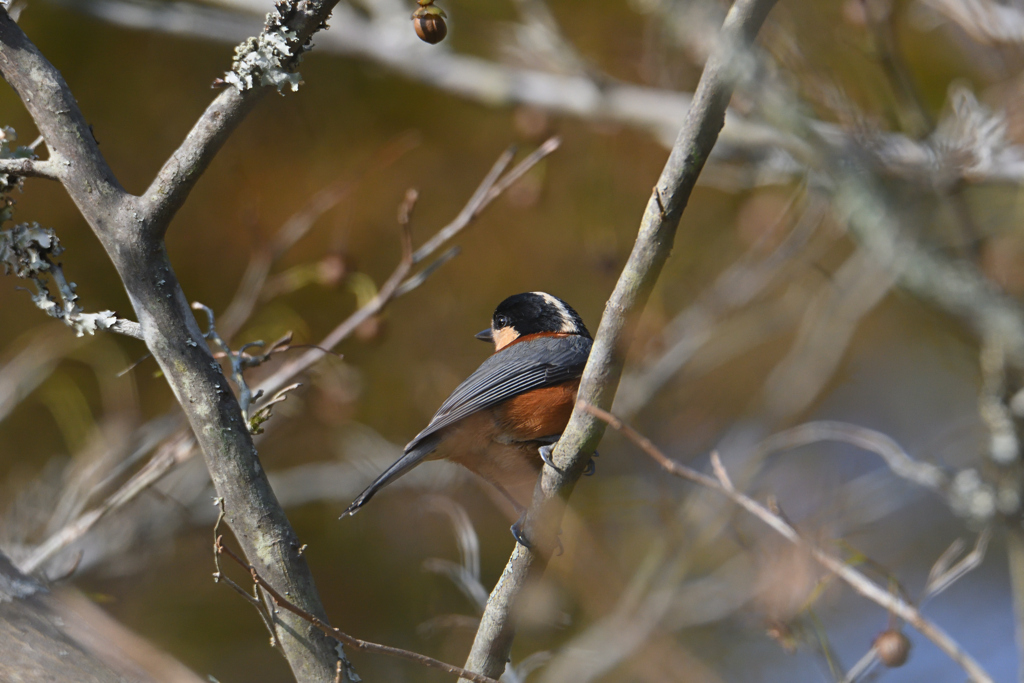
485,335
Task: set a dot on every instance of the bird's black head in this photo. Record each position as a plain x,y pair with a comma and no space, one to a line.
530,313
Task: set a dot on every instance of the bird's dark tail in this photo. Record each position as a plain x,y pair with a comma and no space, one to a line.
410,459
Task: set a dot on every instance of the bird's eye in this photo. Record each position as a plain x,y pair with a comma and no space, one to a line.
500,321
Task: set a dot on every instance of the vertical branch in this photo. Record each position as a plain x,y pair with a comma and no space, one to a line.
654,242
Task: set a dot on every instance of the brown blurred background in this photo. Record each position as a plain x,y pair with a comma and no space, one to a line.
901,366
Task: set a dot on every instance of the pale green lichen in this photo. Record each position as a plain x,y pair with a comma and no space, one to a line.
26,251
264,60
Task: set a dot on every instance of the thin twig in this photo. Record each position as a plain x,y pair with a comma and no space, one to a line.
902,465
31,168
855,579
343,637
219,577
469,211
942,576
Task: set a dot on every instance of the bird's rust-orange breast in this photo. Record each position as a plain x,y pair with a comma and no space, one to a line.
539,413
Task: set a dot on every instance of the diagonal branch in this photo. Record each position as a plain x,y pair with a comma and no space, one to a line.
298,21
654,242
182,170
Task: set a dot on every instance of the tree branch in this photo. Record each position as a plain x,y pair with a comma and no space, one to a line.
776,153
186,165
704,120
923,474
296,21
31,168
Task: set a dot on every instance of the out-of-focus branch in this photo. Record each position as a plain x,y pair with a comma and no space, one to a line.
855,579
986,21
902,465
253,281
956,286
829,322
776,153
912,112
654,242
174,451
64,636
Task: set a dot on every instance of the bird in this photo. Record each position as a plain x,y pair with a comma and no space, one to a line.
503,420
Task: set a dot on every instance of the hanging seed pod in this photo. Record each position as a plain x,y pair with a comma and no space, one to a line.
892,647
428,21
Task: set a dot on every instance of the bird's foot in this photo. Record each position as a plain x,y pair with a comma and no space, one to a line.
546,452
545,455
591,465
519,533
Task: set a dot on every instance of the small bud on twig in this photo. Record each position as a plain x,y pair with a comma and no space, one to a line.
892,647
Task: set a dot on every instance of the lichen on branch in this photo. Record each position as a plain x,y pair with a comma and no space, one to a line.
26,251
269,58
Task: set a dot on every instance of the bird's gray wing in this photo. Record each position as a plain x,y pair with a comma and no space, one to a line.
532,364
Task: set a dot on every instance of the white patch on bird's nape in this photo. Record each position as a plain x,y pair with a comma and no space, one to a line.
568,324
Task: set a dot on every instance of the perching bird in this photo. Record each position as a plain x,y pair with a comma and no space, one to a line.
518,401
